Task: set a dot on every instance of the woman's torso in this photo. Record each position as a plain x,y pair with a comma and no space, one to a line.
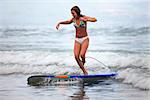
80,27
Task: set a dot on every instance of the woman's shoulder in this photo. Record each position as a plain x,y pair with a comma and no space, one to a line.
84,16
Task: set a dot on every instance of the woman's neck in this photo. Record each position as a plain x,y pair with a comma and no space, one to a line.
77,18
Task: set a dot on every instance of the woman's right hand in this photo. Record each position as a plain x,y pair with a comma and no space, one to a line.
57,26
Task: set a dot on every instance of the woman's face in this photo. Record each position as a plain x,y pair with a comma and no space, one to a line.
74,14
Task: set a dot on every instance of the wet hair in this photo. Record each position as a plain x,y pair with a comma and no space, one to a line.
77,10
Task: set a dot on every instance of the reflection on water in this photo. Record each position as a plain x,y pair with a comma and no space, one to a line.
80,94
87,91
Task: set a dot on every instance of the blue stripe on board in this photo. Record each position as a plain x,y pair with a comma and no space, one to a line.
87,76
92,76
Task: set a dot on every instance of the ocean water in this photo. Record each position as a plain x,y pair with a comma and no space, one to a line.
30,45
26,51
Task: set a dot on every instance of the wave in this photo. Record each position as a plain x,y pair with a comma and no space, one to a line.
25,31
137,73
40,62
132,31
133,69
120,30
139,77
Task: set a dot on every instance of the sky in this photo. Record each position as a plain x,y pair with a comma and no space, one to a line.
49,12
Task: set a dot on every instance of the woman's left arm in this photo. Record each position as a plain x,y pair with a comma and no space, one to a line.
89,19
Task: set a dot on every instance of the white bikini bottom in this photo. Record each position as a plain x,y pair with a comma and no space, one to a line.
81,40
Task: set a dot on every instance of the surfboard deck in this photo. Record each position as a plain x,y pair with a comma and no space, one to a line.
37,80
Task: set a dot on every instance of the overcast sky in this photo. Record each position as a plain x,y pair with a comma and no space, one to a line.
48,12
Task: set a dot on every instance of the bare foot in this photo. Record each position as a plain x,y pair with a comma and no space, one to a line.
85,73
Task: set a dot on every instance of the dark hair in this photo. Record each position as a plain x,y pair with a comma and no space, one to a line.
77,10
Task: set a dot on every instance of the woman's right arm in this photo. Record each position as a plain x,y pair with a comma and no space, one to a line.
64,22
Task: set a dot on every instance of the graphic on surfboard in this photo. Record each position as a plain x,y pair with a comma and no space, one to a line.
67,79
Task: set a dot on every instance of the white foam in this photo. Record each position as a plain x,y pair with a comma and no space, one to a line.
137,79
35,62
132,69
43,62
31,58
67,58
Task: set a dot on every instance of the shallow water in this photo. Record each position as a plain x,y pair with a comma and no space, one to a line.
15,87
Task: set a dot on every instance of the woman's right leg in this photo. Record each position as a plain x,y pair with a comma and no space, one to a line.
83,50
77,48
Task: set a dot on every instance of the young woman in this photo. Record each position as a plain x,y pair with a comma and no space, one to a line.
82,39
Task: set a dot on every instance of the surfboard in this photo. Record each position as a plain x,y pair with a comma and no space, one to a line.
37,80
